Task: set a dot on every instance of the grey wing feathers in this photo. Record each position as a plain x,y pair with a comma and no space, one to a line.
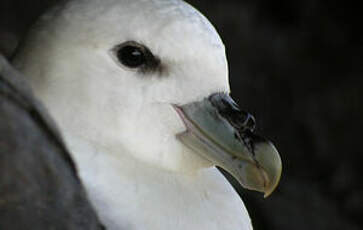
39,185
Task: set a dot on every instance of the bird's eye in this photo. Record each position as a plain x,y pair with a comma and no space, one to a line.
131,56
136,56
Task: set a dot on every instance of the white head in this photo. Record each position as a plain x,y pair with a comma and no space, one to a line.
73,60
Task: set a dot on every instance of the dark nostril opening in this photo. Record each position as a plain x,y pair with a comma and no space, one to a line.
250,122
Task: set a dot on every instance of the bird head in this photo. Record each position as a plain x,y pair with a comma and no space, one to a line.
148,79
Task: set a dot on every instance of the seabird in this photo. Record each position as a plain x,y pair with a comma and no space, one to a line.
140,91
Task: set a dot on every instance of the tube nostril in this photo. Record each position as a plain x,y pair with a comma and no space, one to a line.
251,122
228,109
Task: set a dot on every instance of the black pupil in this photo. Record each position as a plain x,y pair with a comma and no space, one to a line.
131,56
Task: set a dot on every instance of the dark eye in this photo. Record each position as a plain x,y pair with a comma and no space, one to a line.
131,56
134,55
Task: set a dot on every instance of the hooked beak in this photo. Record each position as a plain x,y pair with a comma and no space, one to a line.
220,132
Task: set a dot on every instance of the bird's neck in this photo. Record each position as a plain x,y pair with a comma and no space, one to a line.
129,194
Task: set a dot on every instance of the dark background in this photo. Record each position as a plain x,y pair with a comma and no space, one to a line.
297,66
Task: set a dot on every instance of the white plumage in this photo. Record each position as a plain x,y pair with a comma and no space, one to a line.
119,123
